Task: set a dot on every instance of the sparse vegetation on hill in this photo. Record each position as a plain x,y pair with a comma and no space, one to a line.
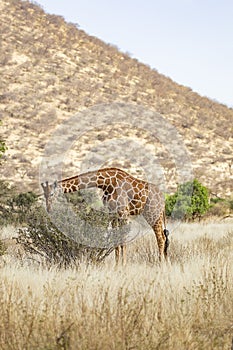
51,69
2,148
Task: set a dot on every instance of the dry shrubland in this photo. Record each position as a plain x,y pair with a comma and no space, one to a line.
183,304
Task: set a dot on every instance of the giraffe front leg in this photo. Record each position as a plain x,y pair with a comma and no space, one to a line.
120,254
120,251
117,255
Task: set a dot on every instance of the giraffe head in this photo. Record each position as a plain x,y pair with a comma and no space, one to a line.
49,191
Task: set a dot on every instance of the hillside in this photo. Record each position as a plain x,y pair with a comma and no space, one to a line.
50,70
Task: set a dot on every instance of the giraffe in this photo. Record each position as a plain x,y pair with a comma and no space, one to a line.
124,195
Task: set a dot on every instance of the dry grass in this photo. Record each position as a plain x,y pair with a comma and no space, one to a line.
184,304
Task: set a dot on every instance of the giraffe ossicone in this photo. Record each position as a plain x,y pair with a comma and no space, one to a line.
123,195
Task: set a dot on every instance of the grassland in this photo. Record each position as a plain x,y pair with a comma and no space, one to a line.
186,303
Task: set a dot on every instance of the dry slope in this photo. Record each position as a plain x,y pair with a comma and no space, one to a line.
50,70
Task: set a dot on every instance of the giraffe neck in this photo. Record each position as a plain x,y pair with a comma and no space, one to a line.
79,182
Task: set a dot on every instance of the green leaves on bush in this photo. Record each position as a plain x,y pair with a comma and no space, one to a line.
23,201
13,206
3,147
190,201
2,248
231,204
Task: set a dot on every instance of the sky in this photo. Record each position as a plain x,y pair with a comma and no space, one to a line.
190,41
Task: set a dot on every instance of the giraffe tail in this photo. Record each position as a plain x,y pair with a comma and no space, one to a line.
166,234
167,242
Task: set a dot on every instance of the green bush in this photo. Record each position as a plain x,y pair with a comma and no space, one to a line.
219,209
190,201
3,147
13,206
231,204
6,192
2,248
215,200
21,203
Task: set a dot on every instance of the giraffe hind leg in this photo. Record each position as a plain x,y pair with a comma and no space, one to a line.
161,237
123,255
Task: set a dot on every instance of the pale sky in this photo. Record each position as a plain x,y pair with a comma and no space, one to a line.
190,41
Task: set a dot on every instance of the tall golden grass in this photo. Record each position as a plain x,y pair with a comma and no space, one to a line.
186,303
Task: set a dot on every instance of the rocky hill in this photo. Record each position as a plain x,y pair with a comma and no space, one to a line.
51,70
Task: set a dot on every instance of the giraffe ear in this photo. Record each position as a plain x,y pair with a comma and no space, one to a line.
44,184
55,184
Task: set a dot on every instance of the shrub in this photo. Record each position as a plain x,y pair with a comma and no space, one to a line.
13,206
220,207
190,201
21,203
2,148
6,215
2,248
41,237
24,200
46,239
216,200
231,204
